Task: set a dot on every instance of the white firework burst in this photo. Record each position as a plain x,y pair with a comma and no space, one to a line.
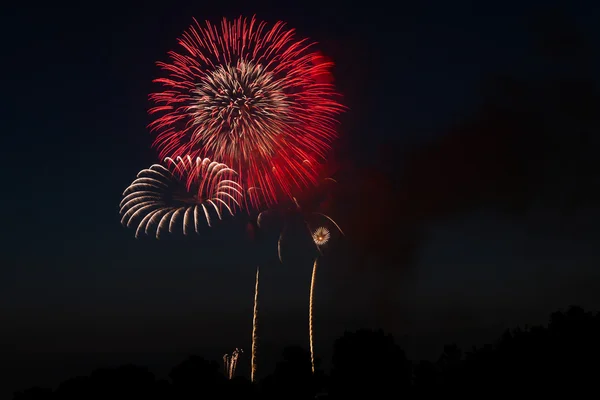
321,236
185,192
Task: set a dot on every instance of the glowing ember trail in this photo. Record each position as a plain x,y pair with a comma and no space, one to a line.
310,315
230,362
254,328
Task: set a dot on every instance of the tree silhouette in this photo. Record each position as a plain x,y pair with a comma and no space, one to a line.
368,363
196,377
240,387
292,378
126,382
450,365
425,376
74,388
35,393
559,356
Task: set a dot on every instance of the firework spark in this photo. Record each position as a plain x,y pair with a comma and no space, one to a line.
321,236
230,362
186,191
254,329
252,97
310,315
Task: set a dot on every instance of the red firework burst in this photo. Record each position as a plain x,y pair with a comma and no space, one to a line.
252,97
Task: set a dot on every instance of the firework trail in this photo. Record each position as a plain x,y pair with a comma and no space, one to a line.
253,97
320,237
230,362
186,191
254,328
310,315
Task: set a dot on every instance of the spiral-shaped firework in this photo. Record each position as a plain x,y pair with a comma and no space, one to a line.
252,97
184,192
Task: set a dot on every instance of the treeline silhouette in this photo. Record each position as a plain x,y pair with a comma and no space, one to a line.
368,364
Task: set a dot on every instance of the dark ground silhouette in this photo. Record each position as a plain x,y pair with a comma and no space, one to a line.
369,364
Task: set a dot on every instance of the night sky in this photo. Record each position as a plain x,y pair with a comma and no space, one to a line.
467,168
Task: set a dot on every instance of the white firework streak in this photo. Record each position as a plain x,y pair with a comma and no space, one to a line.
183,192
230,362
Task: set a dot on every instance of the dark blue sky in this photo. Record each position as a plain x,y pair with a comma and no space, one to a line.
491,218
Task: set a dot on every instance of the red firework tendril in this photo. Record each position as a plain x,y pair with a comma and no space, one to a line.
253,98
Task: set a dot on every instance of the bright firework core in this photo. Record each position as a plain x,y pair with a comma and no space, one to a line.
321,236
241,99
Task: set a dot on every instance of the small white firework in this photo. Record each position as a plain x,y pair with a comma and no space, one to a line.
321,236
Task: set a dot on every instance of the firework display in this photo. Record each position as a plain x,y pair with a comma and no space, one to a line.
251,97
243,117
187,192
